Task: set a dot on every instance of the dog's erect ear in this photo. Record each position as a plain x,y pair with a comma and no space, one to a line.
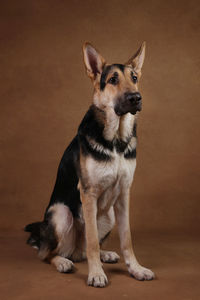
137,59
94,62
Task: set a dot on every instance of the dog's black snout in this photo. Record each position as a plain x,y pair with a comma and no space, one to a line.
133,97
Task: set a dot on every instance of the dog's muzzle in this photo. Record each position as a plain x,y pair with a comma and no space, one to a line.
130,102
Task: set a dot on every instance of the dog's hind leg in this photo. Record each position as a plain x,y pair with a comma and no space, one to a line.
63,223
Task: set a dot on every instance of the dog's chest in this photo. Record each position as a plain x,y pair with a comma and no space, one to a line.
111,177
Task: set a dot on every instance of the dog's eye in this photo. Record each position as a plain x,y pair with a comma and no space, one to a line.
134,78
113,80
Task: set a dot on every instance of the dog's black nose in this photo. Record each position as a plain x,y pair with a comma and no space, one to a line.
133,97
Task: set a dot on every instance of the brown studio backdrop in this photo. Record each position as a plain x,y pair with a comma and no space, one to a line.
45,93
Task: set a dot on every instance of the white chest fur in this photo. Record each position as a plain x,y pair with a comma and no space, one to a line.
110,177
113,176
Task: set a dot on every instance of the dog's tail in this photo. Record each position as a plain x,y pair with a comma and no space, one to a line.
41,237
34,238
32,227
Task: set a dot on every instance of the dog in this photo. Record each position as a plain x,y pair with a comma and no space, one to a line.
94,178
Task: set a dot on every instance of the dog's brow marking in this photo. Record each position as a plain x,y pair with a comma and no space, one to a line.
119,66
115,74
104,77
105,72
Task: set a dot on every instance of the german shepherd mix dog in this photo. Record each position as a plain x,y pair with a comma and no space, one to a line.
95,174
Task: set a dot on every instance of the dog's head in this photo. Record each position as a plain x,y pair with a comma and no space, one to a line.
116,85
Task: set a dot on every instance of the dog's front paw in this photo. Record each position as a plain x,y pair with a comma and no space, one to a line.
109,256
97,279
141,273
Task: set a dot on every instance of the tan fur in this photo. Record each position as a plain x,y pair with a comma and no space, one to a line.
62,264
104,185
64,229
105,100
89,49
108,183
105,170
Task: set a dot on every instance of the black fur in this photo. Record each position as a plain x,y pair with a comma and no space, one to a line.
34,239
120,66
65,190
130,154
88,150
93,128
135,129
42,234
105,72
120,146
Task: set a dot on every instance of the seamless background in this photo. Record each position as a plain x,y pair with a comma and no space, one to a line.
44,93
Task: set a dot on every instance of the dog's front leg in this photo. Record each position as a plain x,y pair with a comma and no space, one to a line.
96,275
122,218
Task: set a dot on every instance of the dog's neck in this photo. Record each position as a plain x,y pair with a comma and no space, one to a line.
119,127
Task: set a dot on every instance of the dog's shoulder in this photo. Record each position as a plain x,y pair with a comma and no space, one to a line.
92,126
90,135
65,189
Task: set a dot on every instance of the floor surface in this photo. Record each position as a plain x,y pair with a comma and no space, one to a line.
175,260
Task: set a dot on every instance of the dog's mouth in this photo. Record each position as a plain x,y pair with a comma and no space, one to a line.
138,107
124,108
128,103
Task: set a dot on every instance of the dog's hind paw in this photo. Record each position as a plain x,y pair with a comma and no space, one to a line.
109,256
62,264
